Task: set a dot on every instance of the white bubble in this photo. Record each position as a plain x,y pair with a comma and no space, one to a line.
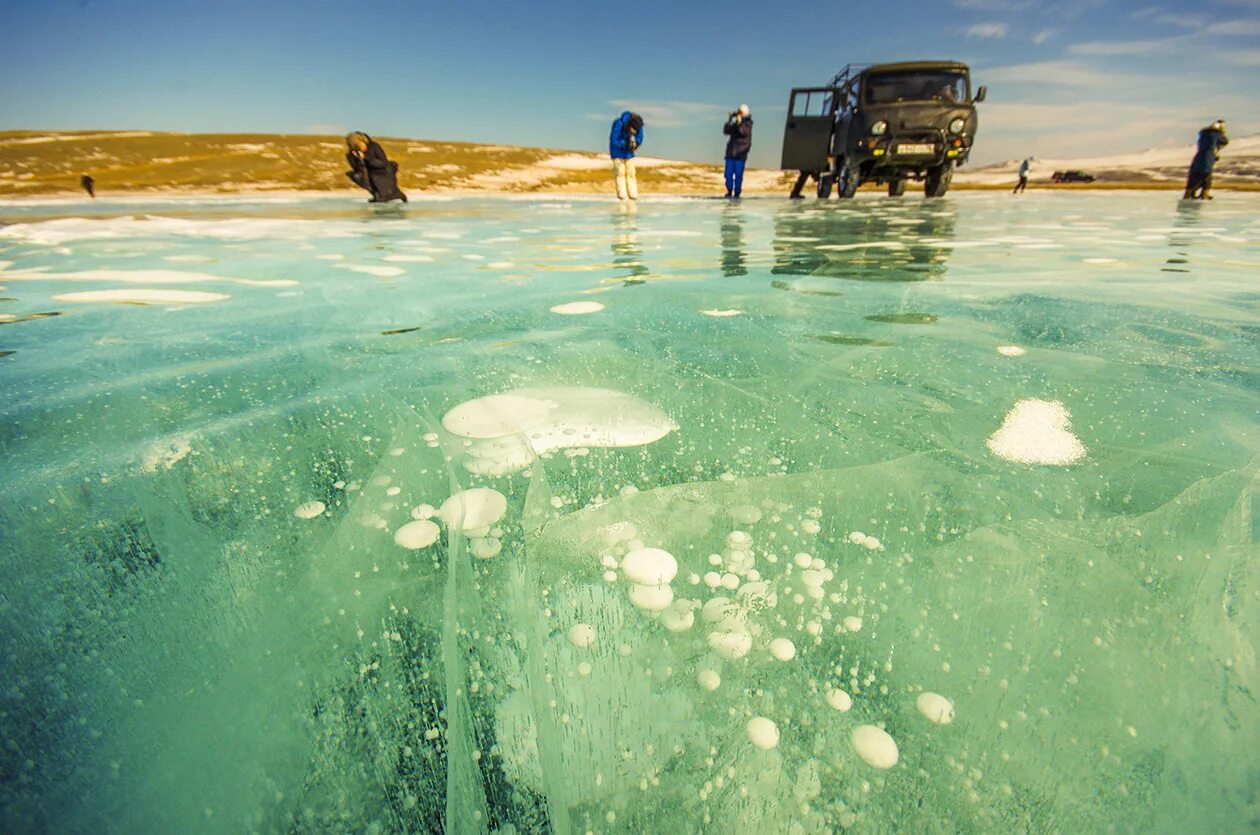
651,598
423,511
803,560
415,535
783,649
721,314
473,509
875,746
581,635
810,526
309,510
485,547
839,699
730,645
709,679
935,707
679,616
852,623
649,566
746,514
763,733
1011,350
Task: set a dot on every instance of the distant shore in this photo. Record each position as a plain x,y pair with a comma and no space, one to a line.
42,164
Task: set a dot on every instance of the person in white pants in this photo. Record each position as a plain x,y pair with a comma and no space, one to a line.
625,139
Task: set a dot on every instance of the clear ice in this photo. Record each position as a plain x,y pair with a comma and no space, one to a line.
733,553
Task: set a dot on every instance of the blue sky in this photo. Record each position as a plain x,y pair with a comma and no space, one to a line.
1066,79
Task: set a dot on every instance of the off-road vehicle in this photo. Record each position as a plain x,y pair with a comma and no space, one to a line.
883,123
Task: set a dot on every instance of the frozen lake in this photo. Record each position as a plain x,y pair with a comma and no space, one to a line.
550,515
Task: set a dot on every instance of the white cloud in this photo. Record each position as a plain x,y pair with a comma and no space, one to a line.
1145,47
1044,35
1242,57
994,5
1058,73
1234,27
664,113
992,29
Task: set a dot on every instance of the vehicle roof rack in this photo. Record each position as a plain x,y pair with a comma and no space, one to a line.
847,75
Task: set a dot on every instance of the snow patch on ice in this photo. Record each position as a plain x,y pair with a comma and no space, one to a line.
1037,432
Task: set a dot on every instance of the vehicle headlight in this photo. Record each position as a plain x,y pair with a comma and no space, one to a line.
879,128
957,125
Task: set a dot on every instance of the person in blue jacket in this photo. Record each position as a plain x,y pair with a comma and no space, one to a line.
738,127
625,139
1199,181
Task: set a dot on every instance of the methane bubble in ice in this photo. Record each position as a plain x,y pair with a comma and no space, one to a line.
508,431
485,547
936,708
874,746
783,649
730,645
1011,350
763,733
577,308
839,700
650,566
1037,432
721,314
651,598
474,509
679,617
709,679
308,510
581,635
416,535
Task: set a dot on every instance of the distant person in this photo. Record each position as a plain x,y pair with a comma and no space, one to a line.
1024,167
371,169
625,139
1199,181
89,185
738,127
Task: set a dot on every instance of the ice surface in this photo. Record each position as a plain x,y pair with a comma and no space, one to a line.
252,582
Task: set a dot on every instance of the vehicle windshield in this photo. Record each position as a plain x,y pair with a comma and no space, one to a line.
922,85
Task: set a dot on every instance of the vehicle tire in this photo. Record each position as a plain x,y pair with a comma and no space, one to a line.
824,186
938,180
896,188
847,181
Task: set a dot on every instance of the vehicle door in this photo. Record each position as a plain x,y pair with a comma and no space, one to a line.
807,137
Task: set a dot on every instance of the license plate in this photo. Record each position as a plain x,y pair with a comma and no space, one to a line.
916,149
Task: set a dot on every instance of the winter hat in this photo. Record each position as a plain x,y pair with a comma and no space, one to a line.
743,110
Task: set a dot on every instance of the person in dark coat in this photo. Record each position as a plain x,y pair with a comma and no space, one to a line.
738,127
89,185
371,169
1199,181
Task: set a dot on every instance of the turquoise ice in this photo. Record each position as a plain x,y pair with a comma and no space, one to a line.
553,515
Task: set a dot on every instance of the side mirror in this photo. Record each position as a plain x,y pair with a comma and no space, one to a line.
980,94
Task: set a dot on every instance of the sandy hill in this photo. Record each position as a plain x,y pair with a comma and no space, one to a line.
1239,164
42,162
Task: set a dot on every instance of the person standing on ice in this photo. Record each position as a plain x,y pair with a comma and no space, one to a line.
1023,175
625,139
738,127
1199,181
